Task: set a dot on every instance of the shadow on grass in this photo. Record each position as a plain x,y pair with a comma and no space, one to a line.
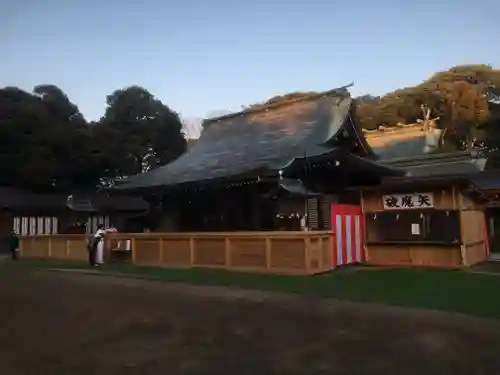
458,291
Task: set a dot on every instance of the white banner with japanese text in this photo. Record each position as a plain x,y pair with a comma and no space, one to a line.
414,201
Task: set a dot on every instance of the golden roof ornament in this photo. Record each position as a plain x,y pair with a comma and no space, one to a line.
433,135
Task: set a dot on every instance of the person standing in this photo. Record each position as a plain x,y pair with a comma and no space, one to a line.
13,241
92,249
99,239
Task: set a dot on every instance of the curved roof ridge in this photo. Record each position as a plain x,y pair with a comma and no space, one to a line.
341,91
264,139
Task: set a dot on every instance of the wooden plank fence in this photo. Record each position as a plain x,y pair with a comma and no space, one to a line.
300,253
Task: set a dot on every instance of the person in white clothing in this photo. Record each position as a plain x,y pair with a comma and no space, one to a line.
99,238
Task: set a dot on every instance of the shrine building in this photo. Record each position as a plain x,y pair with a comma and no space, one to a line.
391,197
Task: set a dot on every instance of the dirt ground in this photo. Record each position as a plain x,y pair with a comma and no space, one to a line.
67,323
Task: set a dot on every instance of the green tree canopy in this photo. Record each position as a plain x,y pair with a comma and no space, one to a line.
47,145
465,98
145,132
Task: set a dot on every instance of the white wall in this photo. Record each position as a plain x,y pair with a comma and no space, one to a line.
33,225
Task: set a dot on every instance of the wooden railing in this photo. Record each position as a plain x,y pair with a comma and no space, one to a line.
270,252
56,246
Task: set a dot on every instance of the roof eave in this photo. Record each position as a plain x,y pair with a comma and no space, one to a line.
258,175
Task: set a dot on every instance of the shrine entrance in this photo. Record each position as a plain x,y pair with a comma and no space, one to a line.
347,224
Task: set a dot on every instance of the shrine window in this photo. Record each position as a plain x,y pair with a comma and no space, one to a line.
417,226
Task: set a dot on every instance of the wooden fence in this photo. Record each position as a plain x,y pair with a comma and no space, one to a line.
269,252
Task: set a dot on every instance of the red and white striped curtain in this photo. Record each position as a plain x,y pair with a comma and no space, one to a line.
348,244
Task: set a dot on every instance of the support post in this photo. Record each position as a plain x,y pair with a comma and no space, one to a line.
268,253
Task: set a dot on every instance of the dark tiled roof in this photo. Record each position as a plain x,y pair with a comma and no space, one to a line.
102,202
296,187
12,198
487,181
421,154
420,182
255,141
409,148
459,167
408,142
16,198
451,163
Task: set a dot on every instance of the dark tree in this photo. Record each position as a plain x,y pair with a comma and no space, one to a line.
140,132
45,142
27,136
464,98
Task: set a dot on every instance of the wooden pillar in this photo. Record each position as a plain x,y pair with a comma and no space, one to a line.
227,248
133,250
49,247
463,249
160,247
268,253
307,253
191,251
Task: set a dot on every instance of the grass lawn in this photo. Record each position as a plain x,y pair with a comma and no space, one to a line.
459,291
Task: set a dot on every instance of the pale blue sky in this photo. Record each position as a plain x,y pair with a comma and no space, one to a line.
204,56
